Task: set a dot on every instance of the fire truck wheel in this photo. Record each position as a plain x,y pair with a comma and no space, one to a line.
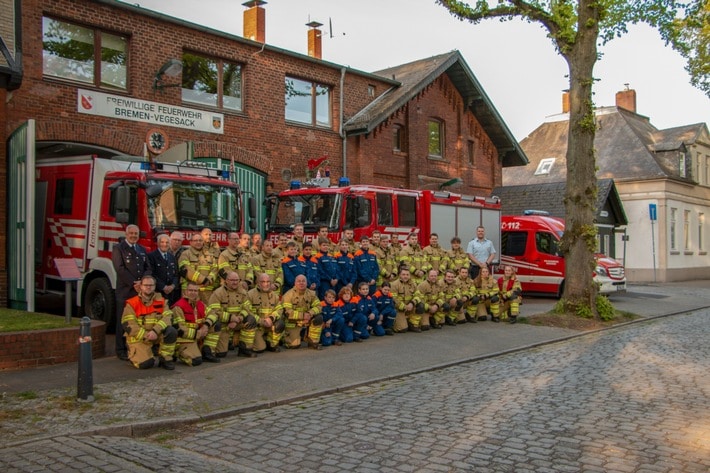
99,302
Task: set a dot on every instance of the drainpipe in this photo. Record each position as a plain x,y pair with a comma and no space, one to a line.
340,132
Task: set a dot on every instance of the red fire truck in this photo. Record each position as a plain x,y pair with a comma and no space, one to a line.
395,212
84,204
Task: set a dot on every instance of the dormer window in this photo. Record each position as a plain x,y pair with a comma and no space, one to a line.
545,166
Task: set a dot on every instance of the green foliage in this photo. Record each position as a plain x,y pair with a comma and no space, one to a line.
12,320
605,309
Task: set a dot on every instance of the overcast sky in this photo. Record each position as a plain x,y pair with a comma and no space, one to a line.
514,61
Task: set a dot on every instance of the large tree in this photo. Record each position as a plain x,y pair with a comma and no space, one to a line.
690,35
575,28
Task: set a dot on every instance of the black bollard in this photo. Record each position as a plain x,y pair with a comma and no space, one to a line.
85,384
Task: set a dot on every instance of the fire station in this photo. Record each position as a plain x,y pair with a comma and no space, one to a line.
101,78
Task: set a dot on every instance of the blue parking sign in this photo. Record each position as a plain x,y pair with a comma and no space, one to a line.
652,211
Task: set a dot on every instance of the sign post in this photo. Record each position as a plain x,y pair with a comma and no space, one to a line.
68,272
653,215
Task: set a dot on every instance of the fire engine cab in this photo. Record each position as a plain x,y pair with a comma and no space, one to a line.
392,211
84,204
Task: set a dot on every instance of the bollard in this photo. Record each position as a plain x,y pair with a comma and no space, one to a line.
85,384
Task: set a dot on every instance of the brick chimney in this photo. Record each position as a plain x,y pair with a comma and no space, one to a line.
255,21
626,99
315,36
565,101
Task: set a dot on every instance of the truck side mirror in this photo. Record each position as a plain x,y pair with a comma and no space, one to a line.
123,199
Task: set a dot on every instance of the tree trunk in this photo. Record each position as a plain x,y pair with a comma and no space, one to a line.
579,241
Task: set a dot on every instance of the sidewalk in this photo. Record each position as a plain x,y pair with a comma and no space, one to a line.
42,401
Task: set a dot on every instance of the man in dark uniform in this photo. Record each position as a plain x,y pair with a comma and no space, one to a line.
164,267
130,261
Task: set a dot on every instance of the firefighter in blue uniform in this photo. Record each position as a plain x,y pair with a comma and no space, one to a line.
366,266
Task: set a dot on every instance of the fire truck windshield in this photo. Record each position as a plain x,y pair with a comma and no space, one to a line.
190,205
312,210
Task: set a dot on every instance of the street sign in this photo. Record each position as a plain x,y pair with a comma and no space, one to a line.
652,211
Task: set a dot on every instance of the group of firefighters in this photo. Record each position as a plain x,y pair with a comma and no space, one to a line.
196,303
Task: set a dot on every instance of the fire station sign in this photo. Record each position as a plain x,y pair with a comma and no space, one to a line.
127,108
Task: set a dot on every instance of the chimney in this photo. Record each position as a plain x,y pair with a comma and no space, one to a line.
255,21
626,99
314,40
565,101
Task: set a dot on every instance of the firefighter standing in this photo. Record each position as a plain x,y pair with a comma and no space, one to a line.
199,267
130,261
147,322
366,266
236,257
435,255
302,310
193,328
413,257
386,260
268,262
456,257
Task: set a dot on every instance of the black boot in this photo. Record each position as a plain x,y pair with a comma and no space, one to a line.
496,319
167,364
513,319
244,351
470,318
208,356
313,345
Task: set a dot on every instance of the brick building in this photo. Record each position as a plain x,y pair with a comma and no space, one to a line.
169,87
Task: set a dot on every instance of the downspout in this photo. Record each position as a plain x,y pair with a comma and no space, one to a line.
340,131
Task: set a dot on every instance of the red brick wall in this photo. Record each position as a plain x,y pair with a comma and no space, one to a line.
48,347
378,163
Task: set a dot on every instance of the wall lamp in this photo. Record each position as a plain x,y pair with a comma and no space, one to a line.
171,68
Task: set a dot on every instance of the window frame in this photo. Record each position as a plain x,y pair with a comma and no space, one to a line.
96,63
441,131
219,96
314,108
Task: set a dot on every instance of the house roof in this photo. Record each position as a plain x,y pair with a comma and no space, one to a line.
515,200
628,148
413,77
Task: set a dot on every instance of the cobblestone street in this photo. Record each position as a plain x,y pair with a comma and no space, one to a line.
631,399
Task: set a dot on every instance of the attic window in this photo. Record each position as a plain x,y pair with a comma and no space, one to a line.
545,166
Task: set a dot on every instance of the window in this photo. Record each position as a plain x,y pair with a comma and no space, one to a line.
674,216
63,197
471,152
436,134
84,55
371,90
384,209
398,140
307,102
546,243
211,82
686,229
545,166
513,243
707,170
407,211
682,169
701,236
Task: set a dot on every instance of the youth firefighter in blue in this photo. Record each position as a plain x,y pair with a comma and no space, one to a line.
366,266
328,273
385,306
366,306
355,322
333,320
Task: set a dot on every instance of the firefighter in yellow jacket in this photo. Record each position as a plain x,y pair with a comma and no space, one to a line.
302,310
429,293
487,298
194,329
413,257
268,262
267,308
511,294
227,307
407,302
236,258
147,322
199,267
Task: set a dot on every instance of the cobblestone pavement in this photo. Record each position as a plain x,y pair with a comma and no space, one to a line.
630,399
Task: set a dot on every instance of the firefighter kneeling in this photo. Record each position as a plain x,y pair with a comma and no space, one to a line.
302,309
194,329
510,293
148,323
486,300
264,302
226,309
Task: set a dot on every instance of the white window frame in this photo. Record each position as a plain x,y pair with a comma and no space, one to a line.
545,166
